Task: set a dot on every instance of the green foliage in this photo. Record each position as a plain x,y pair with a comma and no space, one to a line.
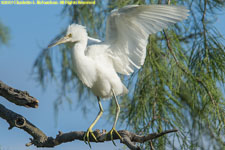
4,34
180,85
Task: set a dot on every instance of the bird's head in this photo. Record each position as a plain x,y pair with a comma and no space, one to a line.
75,33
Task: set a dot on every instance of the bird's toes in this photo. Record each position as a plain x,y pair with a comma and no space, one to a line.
111,135
86,137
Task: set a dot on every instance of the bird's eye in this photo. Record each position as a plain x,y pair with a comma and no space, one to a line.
70,35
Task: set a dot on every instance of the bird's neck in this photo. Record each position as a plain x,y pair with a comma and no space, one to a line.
78,55
79,49
83,65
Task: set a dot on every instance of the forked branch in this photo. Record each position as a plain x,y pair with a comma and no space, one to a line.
40,139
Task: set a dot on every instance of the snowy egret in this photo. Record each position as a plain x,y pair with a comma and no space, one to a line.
124,49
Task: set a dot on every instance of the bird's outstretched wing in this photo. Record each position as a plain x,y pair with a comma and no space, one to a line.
128,29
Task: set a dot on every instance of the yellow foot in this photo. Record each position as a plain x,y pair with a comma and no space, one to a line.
86,137
111,135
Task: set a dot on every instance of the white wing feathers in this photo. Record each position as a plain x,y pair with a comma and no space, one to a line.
92,41
128,29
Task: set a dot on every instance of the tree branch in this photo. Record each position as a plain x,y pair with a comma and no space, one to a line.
41,140
186,71
17,97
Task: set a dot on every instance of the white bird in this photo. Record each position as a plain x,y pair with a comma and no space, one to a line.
98,63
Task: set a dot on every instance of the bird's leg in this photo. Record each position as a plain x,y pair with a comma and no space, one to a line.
89,131
114,125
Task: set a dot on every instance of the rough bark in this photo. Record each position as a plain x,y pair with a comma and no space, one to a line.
18,97
40,139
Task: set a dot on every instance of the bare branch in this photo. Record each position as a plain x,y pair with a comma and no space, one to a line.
17,97
41,140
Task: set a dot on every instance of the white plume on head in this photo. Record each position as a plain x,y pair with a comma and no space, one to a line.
79,32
